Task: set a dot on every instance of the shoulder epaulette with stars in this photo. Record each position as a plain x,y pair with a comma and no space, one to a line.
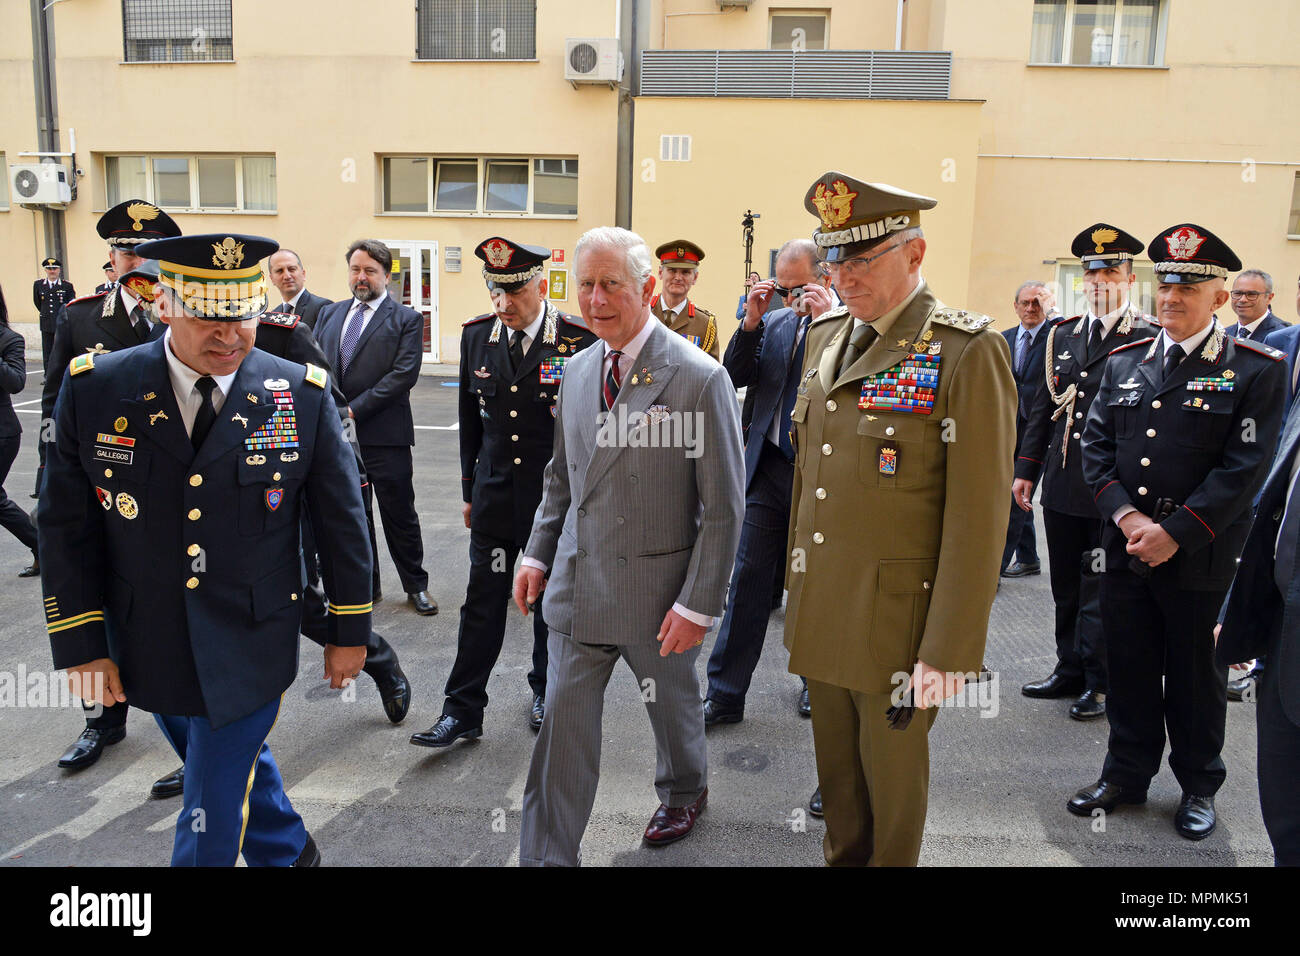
961,319
283,319
82,363
1259,347
317,376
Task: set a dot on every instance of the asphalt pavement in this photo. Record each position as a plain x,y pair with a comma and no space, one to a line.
1002,767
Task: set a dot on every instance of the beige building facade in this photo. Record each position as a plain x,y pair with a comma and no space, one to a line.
437,124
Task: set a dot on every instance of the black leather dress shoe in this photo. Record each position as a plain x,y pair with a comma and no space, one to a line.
1018,570
716,713
376,595
86,749
1195,817
446,732
33,570
172,785
805,705
310,856
395,692
815,803
1090,705
1104,796
423,603
1245,689
1054,685
537,713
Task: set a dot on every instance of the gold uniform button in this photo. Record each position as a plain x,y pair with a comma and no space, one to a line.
196,480
1151,433
514,438
826,449
818,537
108,472
294,596
192,583
193,550
1156,403
514,388
1142,491
925,585
821,494
889,430
519,461
830,405
276,476
1146,462
513,413
195,514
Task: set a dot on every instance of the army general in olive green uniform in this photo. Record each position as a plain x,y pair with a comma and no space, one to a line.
904,426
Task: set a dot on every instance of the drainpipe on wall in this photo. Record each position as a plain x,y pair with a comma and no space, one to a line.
47,120
630,32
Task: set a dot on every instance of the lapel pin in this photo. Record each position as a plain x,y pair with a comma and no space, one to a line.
154,416
119,426
251,397
240,418
276,384
150,396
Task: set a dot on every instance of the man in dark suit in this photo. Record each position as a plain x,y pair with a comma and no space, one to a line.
49,295
765,356
120,318
1251,297
1028,343
512,361
374,346
1178,442
201,440
287,274
1076,352
1260,621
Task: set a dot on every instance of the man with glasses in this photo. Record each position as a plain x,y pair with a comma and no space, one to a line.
1251,296
1077,349
1034,302
679,267
904,426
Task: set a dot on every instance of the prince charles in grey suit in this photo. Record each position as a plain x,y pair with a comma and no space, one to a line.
641,511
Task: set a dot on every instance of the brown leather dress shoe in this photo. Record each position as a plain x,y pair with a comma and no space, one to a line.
670,824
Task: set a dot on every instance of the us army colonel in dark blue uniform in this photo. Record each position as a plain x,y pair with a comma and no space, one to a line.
118,318
1051,449
169,543
1177,443
511,364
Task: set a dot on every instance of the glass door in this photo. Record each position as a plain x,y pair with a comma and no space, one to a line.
414,283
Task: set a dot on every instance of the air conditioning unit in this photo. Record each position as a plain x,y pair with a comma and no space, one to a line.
592,60
742,4
40,184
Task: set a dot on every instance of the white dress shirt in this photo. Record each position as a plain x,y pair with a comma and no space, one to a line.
626,360
534,329
183,379
131,302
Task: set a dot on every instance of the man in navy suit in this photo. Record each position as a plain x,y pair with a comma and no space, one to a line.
1260,621
287,274
375,347
1028,344
766,357
1252,294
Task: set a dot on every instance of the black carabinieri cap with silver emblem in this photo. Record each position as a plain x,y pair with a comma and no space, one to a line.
49,262
135,221
216,276
508,265
1102,245
857,215
1188,253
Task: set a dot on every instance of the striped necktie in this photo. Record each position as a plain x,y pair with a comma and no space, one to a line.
351,335
613,379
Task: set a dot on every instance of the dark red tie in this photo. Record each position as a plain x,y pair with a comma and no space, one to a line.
613,379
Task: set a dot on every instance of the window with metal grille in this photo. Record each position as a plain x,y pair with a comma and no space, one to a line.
476,29
176,31
675,148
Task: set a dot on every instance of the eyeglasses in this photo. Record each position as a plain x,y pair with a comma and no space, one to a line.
1252,296
858,264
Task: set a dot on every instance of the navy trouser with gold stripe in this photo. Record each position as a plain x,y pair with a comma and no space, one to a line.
234,797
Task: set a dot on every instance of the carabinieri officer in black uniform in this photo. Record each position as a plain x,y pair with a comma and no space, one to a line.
286,335
50,295
511,363
119,318
1077,349
1177,444
169,541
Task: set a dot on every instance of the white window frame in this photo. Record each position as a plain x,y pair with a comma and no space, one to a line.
1067,39
823,12
480,191
192,171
